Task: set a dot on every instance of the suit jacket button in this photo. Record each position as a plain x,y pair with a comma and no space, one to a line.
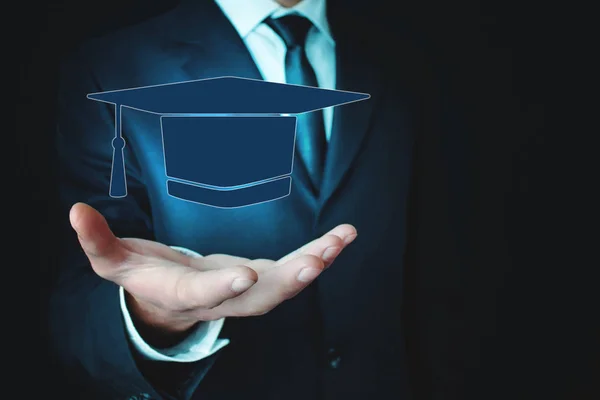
333,358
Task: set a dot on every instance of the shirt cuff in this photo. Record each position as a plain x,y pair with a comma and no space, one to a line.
201,343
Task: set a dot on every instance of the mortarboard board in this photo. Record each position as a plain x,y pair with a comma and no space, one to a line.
246,129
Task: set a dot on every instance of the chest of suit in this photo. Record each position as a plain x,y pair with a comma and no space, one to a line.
371,195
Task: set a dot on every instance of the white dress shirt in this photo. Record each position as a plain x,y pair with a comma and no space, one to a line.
268,51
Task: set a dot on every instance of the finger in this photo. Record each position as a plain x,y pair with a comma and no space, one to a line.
208,289
220,261
275,286
346,232
175,287
104,250
328,246
261,264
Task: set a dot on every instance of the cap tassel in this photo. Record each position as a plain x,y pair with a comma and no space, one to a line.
118,182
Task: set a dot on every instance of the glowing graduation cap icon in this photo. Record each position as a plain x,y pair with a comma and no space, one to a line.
227,142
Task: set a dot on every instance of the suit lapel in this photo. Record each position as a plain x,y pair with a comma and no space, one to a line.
354,73
206,44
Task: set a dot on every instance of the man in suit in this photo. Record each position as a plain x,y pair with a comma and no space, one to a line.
280,304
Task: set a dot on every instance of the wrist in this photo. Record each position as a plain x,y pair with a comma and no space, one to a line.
159,328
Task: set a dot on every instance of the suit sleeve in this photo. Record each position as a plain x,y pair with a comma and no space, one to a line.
87,330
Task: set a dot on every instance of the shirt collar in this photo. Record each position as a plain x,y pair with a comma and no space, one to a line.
246,16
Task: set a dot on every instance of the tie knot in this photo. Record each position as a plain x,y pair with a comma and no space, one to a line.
292,29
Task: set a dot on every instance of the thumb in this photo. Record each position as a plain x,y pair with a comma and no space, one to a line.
101,246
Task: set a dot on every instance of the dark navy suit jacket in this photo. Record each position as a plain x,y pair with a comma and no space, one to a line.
345,337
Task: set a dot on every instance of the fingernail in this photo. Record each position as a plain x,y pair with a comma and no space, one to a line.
350,238
330,253
308,274
240,285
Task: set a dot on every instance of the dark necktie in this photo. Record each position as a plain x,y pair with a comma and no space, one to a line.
310,129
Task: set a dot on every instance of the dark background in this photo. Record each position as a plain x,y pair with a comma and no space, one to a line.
535,306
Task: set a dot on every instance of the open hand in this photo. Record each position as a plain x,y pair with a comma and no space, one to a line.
169,292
